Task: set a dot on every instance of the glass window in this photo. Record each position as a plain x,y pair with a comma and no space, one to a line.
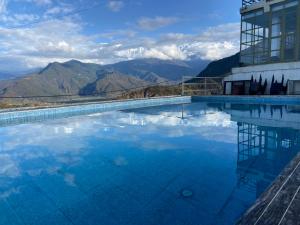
277,8
290,41
291,4
275,53
254,33
290,31
276,19
279,25
276,31
275,44
283,30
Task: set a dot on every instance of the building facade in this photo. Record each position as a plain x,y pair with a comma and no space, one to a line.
269,49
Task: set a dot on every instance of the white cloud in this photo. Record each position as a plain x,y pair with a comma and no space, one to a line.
156,22
40,2
51,141
59,9
60,46
118,33
166,52
61,38
18,19
115,6
3,4
43,2
41,44
213,43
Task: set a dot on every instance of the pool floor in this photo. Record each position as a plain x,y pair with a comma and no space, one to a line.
193,164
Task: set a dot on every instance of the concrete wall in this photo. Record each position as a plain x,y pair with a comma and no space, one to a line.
291,72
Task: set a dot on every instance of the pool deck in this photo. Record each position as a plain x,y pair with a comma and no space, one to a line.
280,204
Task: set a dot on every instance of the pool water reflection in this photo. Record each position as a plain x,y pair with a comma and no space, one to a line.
202,163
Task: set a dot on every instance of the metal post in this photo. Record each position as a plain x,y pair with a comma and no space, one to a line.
205,86
182,86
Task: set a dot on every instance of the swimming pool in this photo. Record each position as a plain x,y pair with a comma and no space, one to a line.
188,164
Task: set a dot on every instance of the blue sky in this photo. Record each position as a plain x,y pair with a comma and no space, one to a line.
36,32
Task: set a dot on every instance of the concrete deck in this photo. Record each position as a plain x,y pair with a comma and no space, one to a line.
280,204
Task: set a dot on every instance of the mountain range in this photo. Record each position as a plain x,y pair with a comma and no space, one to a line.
172,70
77,78
8,75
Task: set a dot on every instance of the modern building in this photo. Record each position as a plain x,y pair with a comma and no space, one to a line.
269,49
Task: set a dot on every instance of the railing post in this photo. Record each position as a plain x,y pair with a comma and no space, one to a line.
205,86
182,86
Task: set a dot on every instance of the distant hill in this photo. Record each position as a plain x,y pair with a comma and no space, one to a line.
8,75
55,79
111,82
77,78
221,67
153,69
153,91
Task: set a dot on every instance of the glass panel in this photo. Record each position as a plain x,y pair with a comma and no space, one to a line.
244,26
277,8
244,38
290,42
249,15
290,33
266,32
276,19
291,4
275,44
247,59
254,37
276,31
275,56
275,53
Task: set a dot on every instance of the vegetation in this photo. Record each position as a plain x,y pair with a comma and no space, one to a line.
76,78
76,82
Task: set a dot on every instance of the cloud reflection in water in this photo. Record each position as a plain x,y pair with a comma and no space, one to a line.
52,145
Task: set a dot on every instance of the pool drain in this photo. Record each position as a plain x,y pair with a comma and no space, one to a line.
186,193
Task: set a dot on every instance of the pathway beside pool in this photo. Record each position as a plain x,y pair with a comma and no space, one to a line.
280,204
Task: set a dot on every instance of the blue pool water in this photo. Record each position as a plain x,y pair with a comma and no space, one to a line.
192,164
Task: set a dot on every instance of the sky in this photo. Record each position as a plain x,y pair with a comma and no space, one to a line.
34,33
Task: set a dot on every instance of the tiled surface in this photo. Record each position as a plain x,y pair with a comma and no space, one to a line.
121,198
144,192
17,117
125,168
293,216
278,205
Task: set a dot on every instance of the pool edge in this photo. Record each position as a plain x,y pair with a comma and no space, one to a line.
35,114
270,208
289,99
